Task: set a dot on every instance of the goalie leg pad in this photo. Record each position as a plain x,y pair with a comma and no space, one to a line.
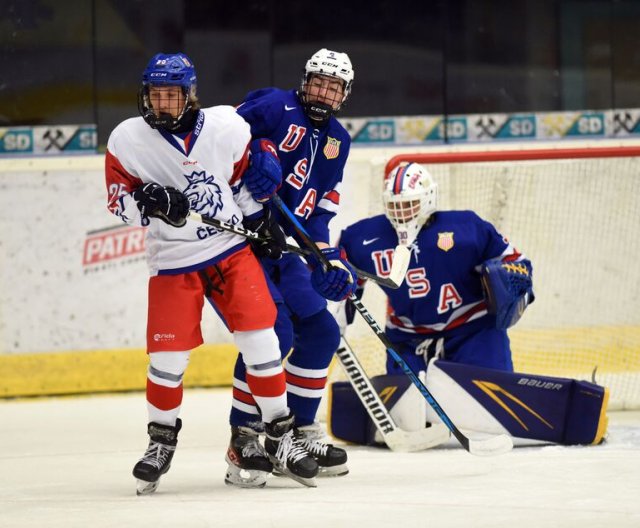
542,408
348,419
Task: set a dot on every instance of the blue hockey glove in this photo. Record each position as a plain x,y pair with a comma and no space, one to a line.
166,203
274,240
508,287
264,175
339,281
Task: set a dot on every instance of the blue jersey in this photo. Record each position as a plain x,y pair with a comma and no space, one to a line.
442,293
312,159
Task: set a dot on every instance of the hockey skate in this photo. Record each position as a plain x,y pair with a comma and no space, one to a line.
156,461
249,465
285,450
332,460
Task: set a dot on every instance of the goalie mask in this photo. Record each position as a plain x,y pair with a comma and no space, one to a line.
166,71
320,96
410,197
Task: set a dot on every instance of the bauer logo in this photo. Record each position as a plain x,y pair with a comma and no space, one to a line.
16,140
112,246
502,126
540,384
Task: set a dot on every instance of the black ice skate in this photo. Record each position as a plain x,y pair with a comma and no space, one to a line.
157,458
331,459
249,464
286,452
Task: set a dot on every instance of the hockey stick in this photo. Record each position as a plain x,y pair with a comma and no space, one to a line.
493,445
239,230
397,439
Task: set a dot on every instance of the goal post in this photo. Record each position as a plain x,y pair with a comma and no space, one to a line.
575,212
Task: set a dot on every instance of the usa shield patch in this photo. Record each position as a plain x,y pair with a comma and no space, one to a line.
332,148
445,241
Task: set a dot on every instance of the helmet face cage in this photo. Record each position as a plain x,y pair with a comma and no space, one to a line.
167,70
410,197
332,64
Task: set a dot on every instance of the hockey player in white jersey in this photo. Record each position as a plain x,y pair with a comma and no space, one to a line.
176,157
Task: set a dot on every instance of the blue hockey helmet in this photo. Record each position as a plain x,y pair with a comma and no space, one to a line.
173,69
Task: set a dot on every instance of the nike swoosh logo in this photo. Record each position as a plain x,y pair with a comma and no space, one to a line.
288,108
370,241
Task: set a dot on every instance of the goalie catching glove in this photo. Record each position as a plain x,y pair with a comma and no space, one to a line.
166,203
339,281
508,287
264,175
273,240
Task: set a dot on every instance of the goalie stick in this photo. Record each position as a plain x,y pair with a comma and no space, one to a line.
239,230
397,439
492,445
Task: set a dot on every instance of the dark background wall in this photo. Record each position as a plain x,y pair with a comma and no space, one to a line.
80,61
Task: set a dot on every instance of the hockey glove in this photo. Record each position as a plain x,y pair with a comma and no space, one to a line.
166,203
273,241
264,175
339,281
508,288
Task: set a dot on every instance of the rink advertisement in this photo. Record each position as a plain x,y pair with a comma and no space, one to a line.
73,278
475,128
46,140
73,291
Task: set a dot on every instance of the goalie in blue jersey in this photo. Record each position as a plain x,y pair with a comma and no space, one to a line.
464,287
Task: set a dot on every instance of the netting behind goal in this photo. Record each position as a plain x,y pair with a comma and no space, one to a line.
576,214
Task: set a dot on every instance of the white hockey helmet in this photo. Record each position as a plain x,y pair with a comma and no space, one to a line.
331,64
410,197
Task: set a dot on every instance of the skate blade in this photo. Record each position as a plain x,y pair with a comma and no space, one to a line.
308,482
324,472
333,471
281,471
245,478
146,488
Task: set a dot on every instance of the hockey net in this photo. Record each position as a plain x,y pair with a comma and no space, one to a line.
576,214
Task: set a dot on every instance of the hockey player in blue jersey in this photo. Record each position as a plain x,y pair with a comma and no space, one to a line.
465,286
299,128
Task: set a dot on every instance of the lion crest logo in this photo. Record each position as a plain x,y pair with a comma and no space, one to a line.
203,193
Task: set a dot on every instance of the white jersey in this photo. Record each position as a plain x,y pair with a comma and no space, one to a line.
205,165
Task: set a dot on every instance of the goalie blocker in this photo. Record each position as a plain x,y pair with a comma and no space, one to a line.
530,408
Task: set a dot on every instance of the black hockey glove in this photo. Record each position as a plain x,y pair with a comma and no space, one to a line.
273,242
166,203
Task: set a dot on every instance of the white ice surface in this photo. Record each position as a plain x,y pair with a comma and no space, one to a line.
66,462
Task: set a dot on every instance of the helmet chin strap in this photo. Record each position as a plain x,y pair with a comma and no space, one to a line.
319,113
